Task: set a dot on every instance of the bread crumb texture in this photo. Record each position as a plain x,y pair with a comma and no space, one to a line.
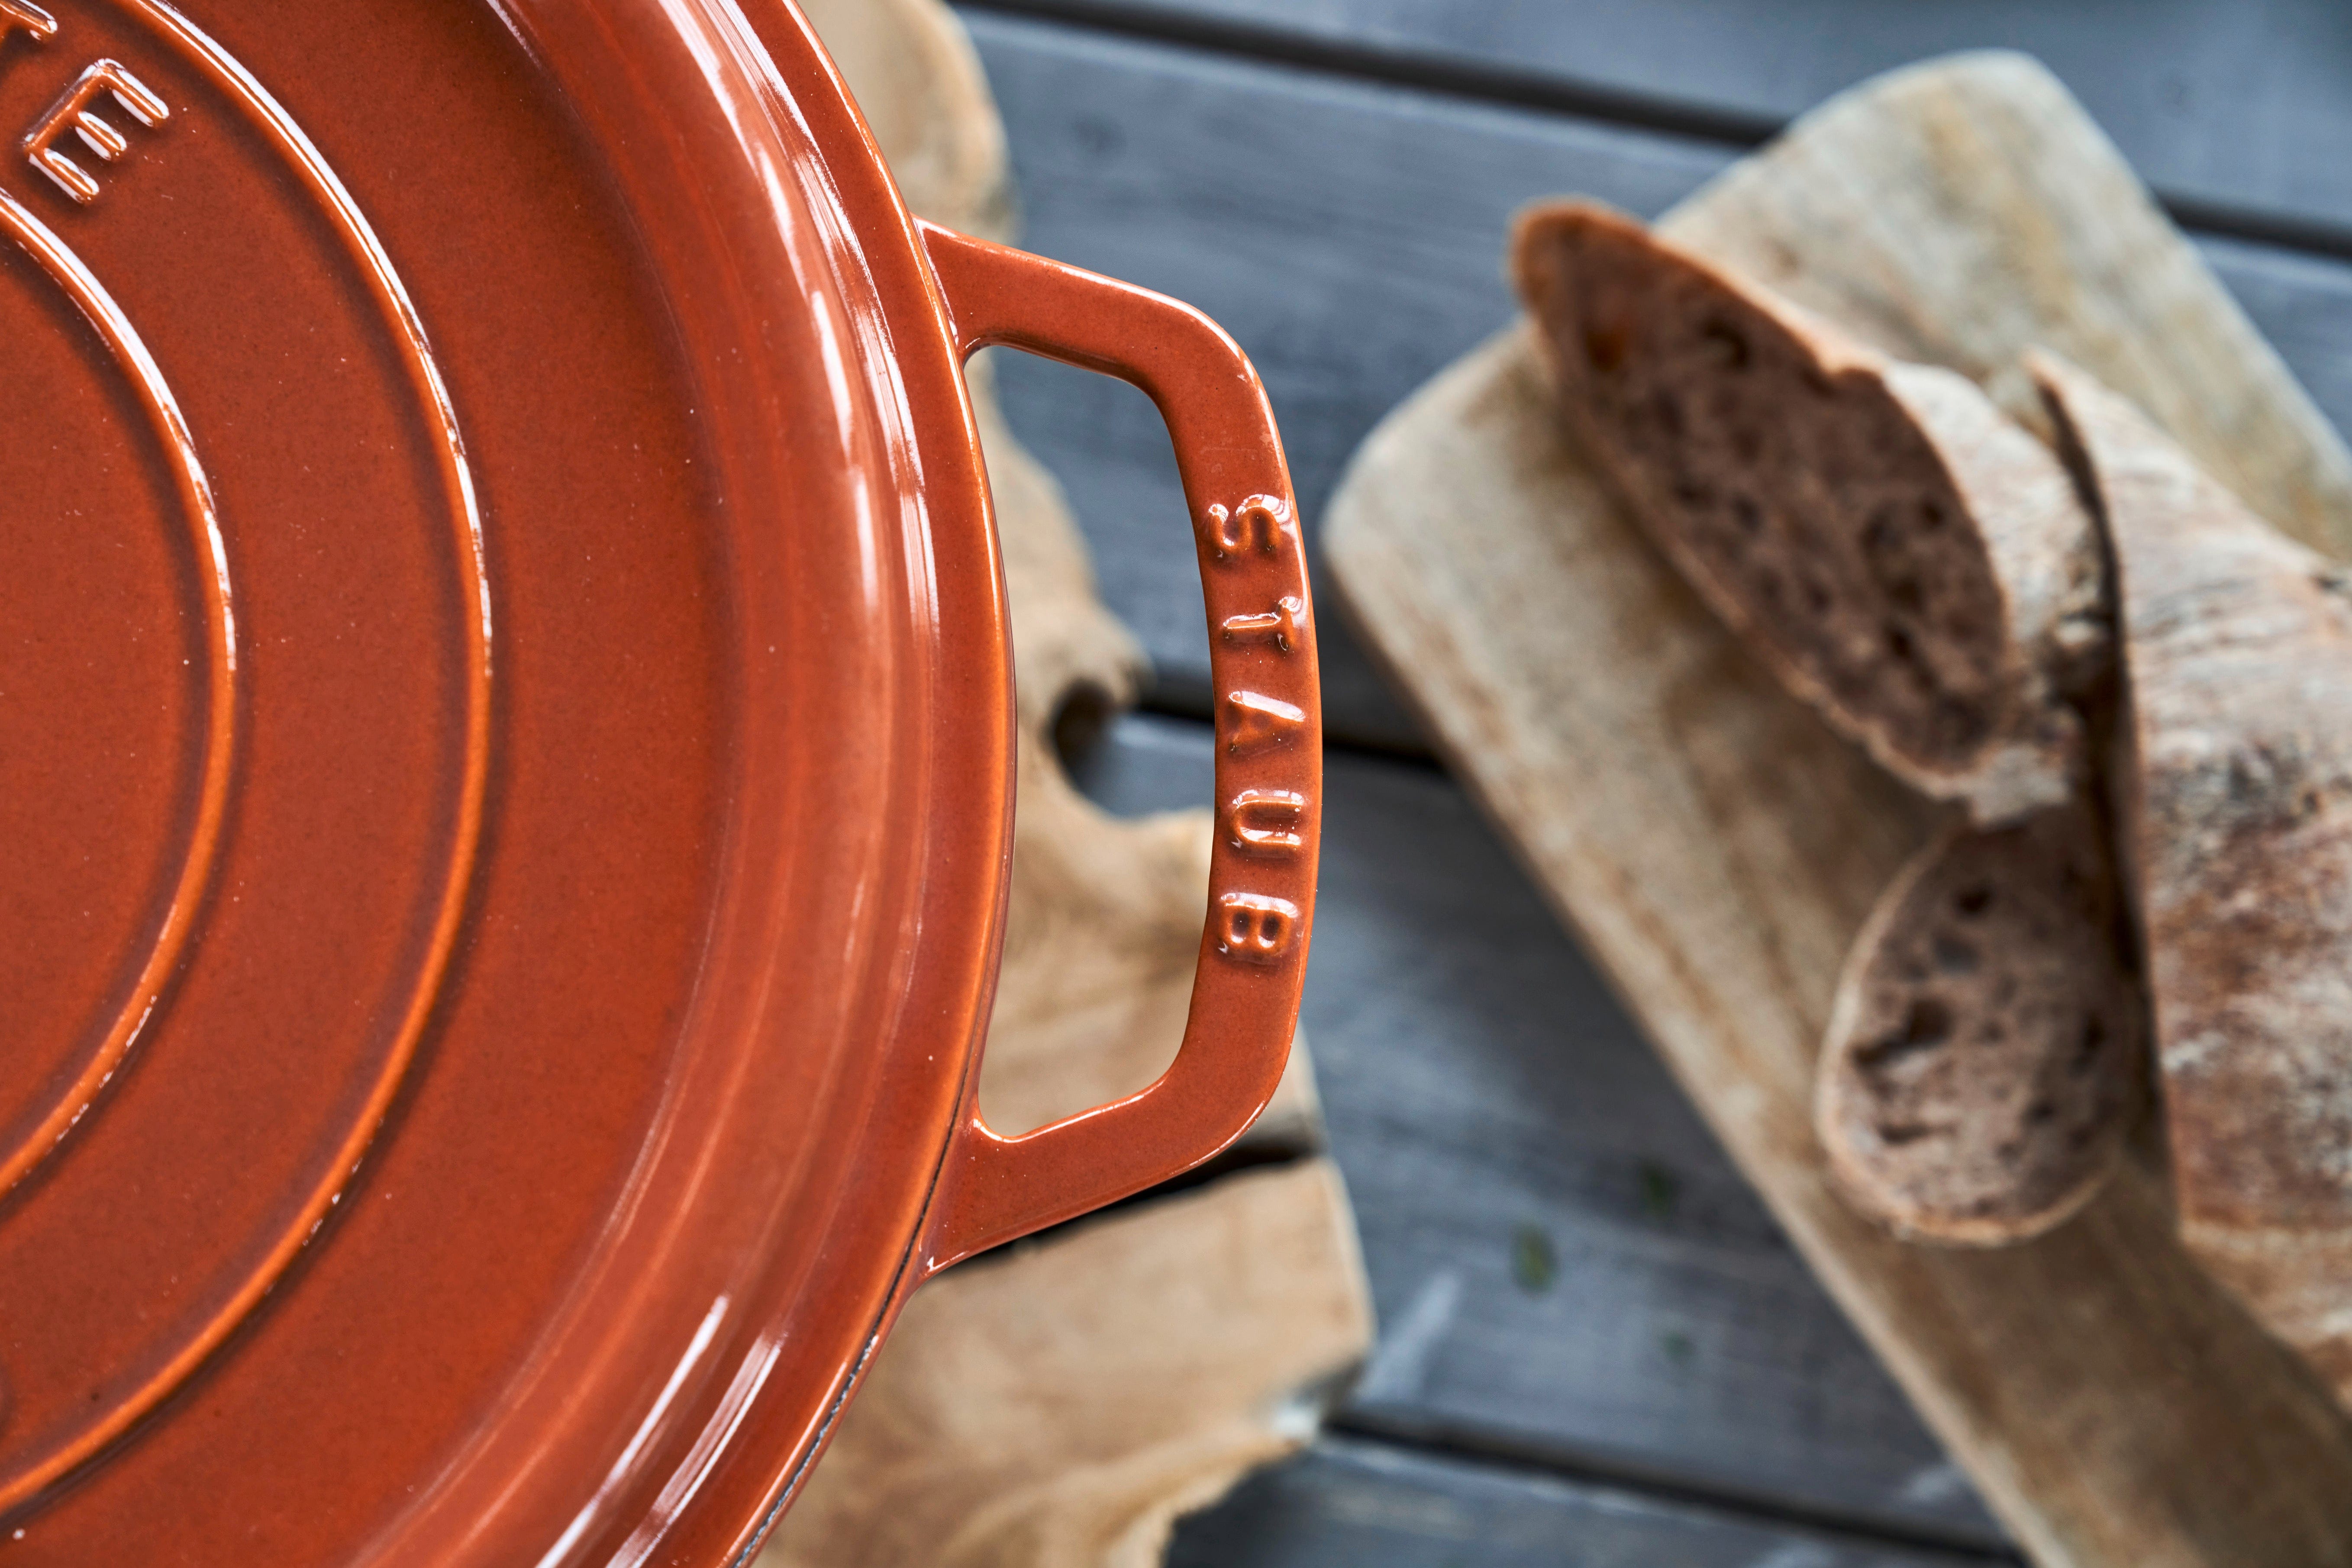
1908,560
1983,1059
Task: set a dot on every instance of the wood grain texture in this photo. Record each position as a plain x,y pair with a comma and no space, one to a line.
1566,1266
1347,1504
1349,235
2240,106
1717,848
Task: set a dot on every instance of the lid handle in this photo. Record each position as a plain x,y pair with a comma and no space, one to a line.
1269,759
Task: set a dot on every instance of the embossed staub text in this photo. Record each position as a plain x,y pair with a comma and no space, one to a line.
75,112
1252,559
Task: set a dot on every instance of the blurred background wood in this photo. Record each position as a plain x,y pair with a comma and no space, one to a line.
1598,1347
1322,177
1717,846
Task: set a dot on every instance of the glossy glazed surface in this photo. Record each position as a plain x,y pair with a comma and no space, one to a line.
505,748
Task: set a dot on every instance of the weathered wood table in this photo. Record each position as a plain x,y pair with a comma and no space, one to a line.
1596,1348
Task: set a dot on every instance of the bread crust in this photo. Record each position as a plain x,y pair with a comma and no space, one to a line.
1903,557
2236,794
1982,1066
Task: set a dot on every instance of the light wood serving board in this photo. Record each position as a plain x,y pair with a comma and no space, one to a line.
1716,848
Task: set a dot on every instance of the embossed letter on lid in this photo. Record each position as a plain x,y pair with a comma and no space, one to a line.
1266,820
20,16
1261,524
72,110
1256,927
1254,720
1281,623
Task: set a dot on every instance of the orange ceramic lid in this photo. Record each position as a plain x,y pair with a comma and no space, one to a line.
505,768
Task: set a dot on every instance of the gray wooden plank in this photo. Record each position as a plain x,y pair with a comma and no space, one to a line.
1350,236
1565,1264
1325,225
1334,229
2238,107
1351,1504
2303,304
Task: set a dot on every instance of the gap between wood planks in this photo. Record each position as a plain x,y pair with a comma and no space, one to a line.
1179,692
1544,93
1502,1456
1495,1454
1174,699
1505,1453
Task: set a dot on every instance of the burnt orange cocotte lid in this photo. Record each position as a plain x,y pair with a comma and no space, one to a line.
506,773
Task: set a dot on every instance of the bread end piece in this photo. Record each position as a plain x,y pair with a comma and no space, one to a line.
2234,791
1985,1057
1904,558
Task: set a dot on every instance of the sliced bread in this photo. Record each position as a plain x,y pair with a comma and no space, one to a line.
1906,558
1985,1052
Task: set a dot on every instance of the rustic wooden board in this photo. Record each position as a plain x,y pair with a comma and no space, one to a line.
1348,236
1347,1504
1568,1269
1716,848
2239,106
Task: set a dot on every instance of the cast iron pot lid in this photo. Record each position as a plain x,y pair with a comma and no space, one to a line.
506,773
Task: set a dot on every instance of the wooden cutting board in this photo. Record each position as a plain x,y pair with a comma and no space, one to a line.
1716,848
